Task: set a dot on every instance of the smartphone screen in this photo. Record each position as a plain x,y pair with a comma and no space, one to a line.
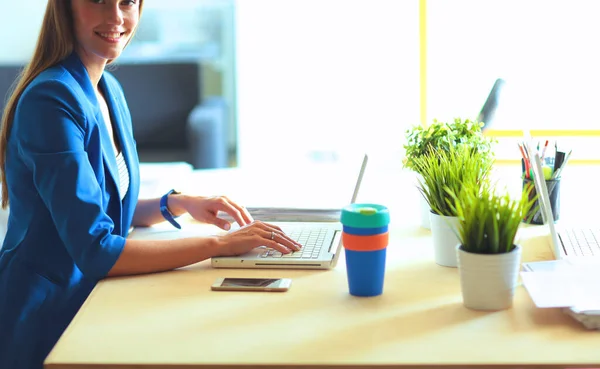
252,284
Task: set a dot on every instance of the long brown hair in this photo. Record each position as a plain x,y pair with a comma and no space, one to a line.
55,42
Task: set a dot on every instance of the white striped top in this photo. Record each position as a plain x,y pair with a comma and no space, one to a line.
123,175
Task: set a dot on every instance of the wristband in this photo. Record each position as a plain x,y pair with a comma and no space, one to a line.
164,209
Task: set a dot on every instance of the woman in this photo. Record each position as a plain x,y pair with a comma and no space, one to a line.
69,170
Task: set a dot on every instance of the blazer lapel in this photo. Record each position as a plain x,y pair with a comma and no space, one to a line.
119,121
77,69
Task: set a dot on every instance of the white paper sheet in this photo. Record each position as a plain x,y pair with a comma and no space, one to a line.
564,288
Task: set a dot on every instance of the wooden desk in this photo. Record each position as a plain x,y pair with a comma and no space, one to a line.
173,320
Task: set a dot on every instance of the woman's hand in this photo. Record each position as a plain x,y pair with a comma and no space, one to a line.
206,209
254,235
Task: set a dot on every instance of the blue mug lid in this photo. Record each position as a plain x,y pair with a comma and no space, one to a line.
365,216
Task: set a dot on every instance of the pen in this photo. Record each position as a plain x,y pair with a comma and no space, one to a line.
525,160
523,165
544,151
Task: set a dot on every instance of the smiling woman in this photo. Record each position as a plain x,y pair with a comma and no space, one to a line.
41,292
70,171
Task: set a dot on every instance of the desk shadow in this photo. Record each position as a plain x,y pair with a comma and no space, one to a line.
402,327
413,284
552,317
187,283
137,278
525,317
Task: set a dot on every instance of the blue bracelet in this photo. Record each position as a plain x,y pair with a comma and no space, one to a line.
164,209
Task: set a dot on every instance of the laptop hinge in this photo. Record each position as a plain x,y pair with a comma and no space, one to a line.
562,244
333,246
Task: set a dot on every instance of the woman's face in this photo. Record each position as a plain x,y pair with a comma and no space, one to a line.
103,27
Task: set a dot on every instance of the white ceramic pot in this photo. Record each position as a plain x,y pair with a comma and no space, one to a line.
444,239
488,281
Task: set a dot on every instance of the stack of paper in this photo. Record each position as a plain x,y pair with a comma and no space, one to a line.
566,284
589,318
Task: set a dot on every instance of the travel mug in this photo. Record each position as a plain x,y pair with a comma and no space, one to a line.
365,239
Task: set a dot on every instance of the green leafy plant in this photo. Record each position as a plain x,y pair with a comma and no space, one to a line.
446,172
422,141
488,221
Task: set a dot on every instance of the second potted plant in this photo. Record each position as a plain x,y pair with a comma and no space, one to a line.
488,258
444,173
441,136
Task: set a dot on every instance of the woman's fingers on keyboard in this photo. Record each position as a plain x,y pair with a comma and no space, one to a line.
278,235
277,238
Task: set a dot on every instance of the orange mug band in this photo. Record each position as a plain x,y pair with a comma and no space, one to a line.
365,243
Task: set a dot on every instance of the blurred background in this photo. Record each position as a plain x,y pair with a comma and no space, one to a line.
224,83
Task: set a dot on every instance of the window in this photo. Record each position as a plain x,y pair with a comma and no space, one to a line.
545,52
319,77
17,48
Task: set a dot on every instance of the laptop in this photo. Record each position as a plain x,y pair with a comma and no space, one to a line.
321,241
566,242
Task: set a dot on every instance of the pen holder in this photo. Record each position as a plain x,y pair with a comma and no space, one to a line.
365,239
534,216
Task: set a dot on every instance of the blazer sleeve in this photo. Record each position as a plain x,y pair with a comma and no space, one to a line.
50,129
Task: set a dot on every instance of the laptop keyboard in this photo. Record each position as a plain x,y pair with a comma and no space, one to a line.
310,238
583,242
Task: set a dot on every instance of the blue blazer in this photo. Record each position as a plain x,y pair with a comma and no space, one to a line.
67,224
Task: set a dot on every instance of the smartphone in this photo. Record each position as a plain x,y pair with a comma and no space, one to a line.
252,284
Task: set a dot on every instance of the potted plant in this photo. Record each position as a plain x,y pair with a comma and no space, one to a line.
488,258
440,136
444,173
